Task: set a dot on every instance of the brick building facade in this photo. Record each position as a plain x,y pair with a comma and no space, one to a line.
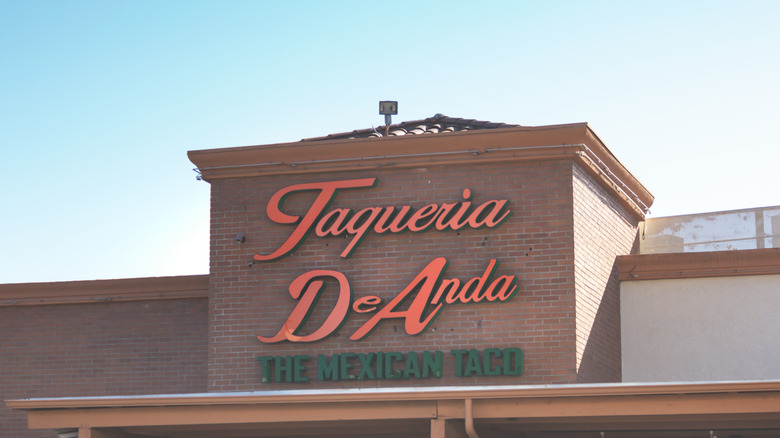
563,230
101,338
472,258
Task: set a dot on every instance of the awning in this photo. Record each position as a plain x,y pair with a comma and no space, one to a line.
730,409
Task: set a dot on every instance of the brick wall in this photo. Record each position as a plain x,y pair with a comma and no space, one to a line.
560,241
535,243
123,348
602,230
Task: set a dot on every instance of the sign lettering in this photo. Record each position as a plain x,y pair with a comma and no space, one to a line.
427,294
391,365
341,221
428,289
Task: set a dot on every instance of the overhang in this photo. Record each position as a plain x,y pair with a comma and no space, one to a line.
748,409
636,267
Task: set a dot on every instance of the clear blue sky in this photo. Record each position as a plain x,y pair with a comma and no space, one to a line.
100,101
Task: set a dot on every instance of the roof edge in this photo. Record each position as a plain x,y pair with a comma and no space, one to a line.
665,266
201,154
575,141
100,291
399,394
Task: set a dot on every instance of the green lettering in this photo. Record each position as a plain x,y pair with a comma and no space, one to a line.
366,361
346,366
487,367
390,371
433,363
283,364
299,368
459,361
412,366
472,364
513,368
327,369
265,368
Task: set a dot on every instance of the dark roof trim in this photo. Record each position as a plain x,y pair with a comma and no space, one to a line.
637,267
101,291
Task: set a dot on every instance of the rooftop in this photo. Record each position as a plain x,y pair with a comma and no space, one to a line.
432,125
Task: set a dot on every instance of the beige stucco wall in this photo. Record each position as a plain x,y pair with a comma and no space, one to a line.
701,329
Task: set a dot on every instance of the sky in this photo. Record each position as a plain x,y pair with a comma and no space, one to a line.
101,100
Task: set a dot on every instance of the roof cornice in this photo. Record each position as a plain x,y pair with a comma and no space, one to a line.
101,291
576,142
665,266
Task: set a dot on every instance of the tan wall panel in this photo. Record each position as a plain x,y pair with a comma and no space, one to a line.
701,329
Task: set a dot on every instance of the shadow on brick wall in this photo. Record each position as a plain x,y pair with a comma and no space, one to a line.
601,360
